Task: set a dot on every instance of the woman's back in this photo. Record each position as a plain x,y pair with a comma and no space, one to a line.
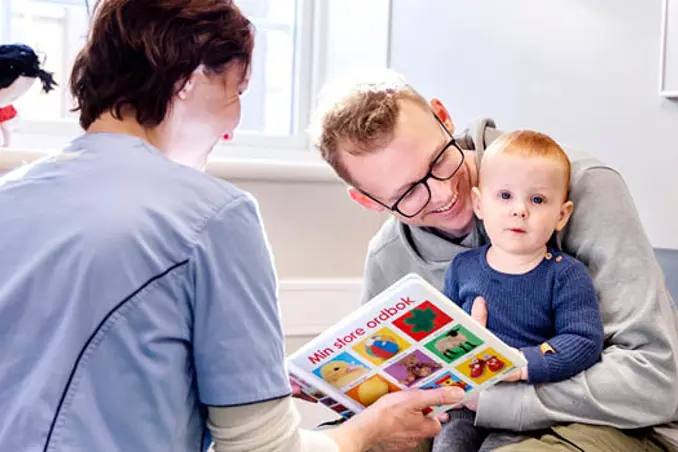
97,298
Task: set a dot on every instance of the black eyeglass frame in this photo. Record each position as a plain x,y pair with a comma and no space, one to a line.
424,180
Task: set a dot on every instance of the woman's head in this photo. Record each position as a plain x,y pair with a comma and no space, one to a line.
182,61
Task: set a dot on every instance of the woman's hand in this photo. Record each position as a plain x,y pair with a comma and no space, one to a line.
395,422
297,393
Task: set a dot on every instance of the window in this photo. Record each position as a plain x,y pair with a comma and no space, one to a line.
276,104
55,30
299,45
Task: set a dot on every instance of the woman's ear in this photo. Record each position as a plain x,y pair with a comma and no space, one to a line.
185,89
477,204
363,200
442,114
189,84
565,213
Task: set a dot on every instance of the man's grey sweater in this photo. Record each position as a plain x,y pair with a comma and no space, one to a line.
636,382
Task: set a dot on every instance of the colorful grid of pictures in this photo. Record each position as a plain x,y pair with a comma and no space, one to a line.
423,320
381,346
413,368
342,370
484,365
454,344
389,360
370,390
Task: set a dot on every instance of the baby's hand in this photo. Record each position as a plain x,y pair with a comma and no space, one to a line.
518,375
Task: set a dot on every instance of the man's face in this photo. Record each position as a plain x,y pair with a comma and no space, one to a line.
522,201
387,173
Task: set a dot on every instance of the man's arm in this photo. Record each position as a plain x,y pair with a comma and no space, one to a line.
578,339
636,382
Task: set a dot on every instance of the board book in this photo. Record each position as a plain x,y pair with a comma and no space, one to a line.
408,336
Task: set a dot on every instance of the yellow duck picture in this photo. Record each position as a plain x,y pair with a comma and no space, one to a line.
341,373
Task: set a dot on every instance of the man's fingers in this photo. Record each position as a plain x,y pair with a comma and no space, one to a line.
479,310
432,427
443,417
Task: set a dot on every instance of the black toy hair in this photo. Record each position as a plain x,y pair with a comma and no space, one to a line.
17,60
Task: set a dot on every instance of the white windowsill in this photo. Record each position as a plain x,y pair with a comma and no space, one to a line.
294,166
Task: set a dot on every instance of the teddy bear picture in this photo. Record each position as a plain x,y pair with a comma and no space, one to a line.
413,368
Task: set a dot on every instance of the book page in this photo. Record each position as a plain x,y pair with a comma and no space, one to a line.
409,336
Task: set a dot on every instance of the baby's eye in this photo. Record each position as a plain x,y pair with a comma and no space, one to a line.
538,199
505,195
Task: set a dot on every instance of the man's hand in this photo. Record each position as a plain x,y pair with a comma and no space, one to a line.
395,422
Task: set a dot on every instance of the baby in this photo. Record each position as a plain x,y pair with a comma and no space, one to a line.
539,300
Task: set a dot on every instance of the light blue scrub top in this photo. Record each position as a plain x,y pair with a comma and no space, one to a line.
133,292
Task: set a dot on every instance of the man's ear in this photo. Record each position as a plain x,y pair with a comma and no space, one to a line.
442,114
363,200
565,213
477,205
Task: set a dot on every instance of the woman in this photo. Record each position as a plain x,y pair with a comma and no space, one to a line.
137,294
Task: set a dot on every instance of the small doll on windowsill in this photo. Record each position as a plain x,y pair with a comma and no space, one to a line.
19,68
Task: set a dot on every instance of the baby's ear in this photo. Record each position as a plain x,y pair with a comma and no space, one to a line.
477,204
565,213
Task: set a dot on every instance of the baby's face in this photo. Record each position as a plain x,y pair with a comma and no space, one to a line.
522,201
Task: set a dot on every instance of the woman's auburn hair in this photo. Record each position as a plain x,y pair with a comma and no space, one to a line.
139,53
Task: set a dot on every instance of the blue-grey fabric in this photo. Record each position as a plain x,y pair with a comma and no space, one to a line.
460,434
133,292
668,260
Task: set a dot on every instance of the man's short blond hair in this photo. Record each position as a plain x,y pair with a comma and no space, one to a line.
358,114
528,143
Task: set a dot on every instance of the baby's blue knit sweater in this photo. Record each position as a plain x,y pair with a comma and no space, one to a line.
553,303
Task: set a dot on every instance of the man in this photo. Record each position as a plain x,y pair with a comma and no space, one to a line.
393,150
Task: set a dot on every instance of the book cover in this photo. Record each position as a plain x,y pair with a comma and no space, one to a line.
409,336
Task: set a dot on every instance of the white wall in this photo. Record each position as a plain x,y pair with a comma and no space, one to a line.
314,228
584,71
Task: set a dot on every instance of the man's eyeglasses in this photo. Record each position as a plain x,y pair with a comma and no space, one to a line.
443,167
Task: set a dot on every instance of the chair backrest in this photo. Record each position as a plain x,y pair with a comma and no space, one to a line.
668,259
